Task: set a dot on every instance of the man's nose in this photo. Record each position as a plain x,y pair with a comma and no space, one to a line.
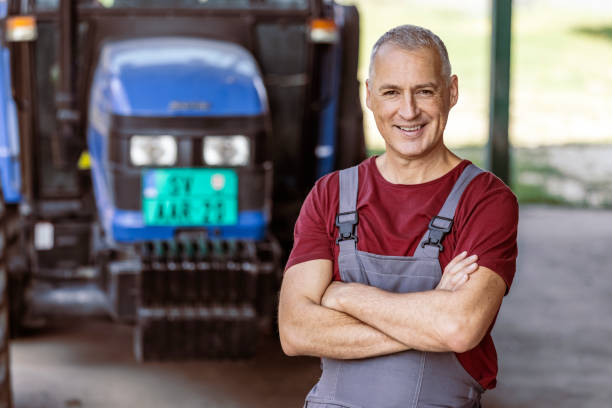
409,108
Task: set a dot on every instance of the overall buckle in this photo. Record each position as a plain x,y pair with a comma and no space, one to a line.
438,228
346,222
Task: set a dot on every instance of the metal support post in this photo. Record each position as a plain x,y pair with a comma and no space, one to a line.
498,148
65,96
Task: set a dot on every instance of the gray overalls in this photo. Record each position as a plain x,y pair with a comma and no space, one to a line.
410,379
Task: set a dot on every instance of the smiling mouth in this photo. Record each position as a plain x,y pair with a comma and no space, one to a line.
411,129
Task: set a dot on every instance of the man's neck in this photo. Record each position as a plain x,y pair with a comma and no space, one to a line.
419,170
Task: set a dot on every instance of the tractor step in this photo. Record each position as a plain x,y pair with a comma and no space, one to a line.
61,299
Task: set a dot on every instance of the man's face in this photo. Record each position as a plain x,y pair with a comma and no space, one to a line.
410,100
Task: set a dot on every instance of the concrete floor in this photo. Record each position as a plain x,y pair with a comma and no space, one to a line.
91,365
554,331
552,337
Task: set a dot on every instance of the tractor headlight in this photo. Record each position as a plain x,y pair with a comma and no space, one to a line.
227,150
153,150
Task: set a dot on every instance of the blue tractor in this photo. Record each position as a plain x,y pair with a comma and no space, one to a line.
154,156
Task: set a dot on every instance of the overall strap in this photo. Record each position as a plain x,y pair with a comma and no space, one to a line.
431,243
347,218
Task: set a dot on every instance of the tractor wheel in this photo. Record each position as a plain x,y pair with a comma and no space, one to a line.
5,383
14,265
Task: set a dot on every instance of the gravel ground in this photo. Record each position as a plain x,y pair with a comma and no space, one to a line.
579,175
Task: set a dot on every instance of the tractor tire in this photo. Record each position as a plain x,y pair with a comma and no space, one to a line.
14,265
5,378
14,269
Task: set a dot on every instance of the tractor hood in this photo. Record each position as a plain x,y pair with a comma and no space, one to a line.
173,76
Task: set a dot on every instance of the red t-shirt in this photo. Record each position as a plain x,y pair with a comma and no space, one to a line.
394,217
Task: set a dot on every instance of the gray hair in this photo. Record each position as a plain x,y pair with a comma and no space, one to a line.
411,37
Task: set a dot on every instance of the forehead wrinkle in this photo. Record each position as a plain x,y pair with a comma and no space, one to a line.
427,85
389,86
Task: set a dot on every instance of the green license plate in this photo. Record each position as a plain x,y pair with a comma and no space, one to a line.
190,197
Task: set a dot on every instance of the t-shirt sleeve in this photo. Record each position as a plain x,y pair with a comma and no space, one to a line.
310,237
490,225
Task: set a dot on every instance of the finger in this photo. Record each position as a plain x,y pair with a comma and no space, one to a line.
463,278
445,281
451,281
455,261
457,277
472,268
468,270
462,264
466,262
458,281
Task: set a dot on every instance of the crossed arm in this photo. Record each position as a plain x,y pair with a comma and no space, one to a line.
318,317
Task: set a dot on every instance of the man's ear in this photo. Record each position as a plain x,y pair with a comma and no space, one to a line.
453,88
368,97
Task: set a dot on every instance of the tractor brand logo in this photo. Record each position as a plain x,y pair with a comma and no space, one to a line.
188,106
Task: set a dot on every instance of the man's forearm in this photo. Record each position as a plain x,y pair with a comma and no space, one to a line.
322,332
436,320
399,315
308,328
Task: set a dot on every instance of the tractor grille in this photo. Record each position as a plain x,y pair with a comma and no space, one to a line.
205,298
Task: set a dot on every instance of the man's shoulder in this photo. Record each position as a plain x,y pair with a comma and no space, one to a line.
329,184
487,183
487,192
327,181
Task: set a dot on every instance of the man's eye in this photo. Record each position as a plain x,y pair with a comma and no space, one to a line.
389,93
426,92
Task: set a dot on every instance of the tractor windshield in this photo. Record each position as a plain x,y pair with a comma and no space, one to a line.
42,5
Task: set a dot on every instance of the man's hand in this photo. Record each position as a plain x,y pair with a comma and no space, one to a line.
455,274
458,271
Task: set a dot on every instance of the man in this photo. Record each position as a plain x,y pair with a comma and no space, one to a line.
364,289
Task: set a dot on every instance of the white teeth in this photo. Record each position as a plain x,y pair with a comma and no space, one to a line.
411,129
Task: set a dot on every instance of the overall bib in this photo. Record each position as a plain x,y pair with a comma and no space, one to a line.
410,379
